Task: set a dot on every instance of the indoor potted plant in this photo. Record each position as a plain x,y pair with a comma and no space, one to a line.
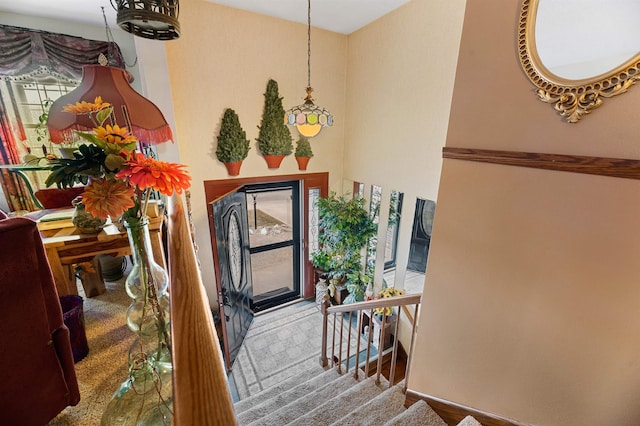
274,138
345,228
233,145
303,152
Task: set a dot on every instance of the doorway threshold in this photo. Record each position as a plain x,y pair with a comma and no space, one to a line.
283,305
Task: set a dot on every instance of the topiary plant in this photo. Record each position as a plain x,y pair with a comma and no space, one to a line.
303,147
274,137
233,144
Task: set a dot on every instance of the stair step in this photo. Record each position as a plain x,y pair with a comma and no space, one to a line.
277,402
384,406
419,414
469,421
276,389
342,403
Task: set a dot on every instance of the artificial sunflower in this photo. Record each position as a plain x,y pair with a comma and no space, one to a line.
85,107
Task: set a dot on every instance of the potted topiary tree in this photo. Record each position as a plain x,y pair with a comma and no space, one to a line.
233,145
274,138
303,152
345,228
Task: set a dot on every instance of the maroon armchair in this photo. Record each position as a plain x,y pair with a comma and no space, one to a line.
38,377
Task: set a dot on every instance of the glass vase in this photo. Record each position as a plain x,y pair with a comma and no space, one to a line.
145,397
85,221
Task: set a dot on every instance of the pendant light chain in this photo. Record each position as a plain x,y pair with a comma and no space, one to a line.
308,117
309,43
111,40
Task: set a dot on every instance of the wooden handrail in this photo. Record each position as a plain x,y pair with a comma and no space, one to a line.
200,389
410,299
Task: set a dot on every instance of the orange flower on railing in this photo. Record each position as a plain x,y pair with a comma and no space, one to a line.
145,172
104,198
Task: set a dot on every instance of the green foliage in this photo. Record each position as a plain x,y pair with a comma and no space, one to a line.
303,147
42,132
233,144
345,228
274,137
89,160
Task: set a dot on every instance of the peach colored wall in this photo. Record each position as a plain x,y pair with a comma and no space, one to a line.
532,297
224,59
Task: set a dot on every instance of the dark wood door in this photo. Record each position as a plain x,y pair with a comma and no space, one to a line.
235,292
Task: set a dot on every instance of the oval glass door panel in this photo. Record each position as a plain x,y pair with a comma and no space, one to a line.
235,251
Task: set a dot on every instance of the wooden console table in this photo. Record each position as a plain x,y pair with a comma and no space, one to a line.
65,245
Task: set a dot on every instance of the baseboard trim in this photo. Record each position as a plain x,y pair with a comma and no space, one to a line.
452,413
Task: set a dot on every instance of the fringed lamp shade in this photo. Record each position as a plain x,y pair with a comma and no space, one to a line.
153,19
143,118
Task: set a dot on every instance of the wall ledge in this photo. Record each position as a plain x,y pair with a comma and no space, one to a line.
612,167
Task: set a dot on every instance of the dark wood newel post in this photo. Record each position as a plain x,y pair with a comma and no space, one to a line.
325,319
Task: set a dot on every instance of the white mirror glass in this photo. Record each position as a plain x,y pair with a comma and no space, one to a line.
582,39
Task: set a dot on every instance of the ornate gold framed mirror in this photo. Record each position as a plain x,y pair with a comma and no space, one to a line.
575,94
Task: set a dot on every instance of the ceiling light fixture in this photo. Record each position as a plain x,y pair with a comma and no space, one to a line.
308,118
153,19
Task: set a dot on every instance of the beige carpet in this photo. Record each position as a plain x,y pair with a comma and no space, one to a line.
102,371
281,344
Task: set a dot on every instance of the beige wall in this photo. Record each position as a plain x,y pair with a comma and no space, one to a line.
531,298
400,73
224,59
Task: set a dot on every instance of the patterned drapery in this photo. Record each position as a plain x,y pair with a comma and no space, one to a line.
32,54
26,52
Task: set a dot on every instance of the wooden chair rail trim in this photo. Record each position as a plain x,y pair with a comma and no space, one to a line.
410,299
452,413
612,167
200,389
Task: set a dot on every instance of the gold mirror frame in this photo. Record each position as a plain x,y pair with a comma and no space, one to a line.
571,98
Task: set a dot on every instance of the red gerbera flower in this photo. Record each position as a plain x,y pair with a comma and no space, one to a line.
161,176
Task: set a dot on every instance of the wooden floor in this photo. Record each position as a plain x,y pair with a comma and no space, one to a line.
401,366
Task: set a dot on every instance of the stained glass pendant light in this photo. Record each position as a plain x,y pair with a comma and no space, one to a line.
153,19
308,117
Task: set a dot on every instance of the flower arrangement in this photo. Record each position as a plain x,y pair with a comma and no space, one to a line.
119,179
386,293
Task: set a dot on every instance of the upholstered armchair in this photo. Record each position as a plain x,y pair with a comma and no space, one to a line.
38,375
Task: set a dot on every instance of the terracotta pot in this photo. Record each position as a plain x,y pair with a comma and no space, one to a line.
233,167
273,161
302,162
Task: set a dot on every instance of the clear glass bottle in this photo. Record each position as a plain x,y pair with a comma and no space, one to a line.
145,397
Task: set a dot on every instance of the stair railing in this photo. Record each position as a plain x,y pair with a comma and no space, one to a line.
339,328
200,390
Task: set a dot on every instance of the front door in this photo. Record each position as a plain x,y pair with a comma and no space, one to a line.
274,242
233,260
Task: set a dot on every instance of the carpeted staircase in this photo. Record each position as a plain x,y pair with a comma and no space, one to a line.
319,398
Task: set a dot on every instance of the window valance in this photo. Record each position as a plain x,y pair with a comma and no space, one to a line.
26,52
